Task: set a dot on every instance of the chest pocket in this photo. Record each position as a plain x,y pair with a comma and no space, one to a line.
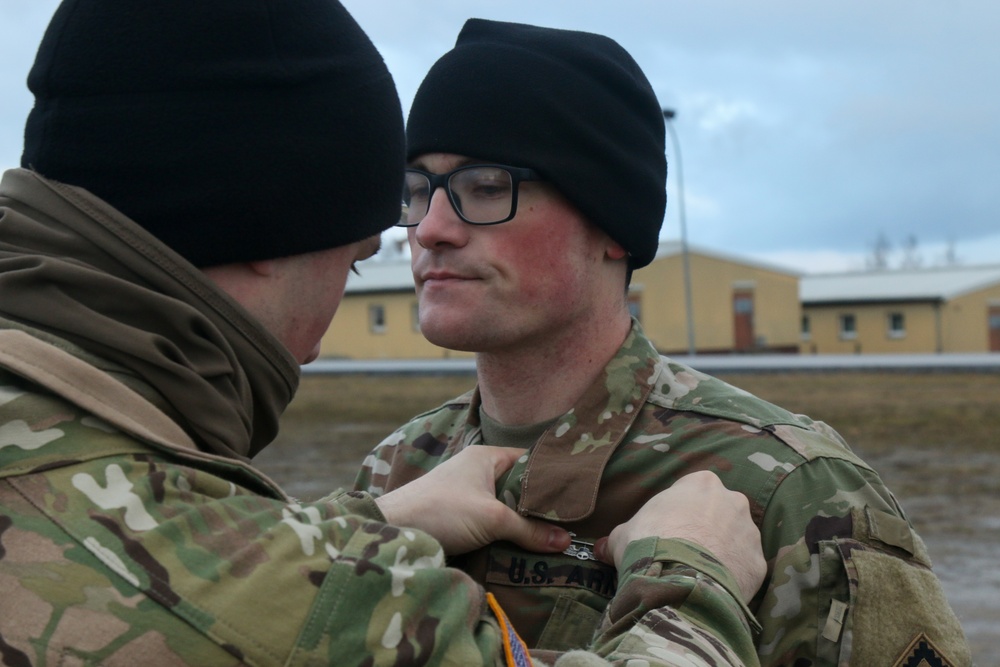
553,600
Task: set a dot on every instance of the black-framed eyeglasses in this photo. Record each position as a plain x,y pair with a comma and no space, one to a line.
481,194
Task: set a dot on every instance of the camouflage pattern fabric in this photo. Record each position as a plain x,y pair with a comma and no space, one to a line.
115,551
849,580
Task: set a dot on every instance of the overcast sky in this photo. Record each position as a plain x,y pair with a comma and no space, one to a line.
808,128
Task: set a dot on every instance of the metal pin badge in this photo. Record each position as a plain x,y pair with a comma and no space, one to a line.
580,549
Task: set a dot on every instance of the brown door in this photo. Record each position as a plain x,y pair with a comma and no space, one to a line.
994,323
743,336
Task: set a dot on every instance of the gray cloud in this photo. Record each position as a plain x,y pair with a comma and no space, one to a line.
807,128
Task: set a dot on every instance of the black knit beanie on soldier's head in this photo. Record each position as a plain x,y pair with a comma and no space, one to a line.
574,106
232,130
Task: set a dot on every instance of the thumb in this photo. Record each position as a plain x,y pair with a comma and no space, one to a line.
504,458
603,552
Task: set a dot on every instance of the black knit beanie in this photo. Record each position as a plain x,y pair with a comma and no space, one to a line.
233,130
574,106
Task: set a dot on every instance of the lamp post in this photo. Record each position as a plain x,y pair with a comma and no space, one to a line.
668,115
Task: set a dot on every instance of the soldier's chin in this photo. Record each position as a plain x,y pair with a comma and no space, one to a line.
458,338
312,356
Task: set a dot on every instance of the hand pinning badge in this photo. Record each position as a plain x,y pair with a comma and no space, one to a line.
580,549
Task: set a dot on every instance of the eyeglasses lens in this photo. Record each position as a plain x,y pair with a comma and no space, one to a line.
480,195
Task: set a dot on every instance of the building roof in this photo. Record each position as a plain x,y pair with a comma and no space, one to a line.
381,275
670,248
391,272
932,284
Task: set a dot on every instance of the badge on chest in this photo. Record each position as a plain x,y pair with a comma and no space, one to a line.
508,566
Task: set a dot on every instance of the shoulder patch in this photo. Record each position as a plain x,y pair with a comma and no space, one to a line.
515,652
922,653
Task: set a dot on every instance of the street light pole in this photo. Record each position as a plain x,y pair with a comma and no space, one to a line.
668,115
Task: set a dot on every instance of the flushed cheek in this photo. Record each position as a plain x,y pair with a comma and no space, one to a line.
540,265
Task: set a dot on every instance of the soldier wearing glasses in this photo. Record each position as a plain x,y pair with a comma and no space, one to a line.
535,188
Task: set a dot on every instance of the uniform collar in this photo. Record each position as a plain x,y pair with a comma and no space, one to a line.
564,468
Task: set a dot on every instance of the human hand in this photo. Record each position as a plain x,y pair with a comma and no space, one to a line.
700,509
456,504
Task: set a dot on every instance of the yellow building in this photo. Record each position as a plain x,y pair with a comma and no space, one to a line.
738,306
378,317
955,309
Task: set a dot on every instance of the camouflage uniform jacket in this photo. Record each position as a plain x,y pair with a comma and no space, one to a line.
849,580
122,548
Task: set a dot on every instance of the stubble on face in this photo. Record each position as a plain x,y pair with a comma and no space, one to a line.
519,284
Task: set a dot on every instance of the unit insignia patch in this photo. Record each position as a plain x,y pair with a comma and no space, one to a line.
922,653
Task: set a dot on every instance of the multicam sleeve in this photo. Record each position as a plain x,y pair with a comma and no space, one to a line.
674,606
375,468
410,452
852,580
387,599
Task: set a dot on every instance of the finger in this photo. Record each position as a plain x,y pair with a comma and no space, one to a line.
602,551
532,534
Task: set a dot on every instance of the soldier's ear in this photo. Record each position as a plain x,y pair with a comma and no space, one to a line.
264,267
613,250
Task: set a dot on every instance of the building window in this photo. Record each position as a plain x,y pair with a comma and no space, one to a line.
806,328
415,316
743,304
848,327
896,325
376,318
